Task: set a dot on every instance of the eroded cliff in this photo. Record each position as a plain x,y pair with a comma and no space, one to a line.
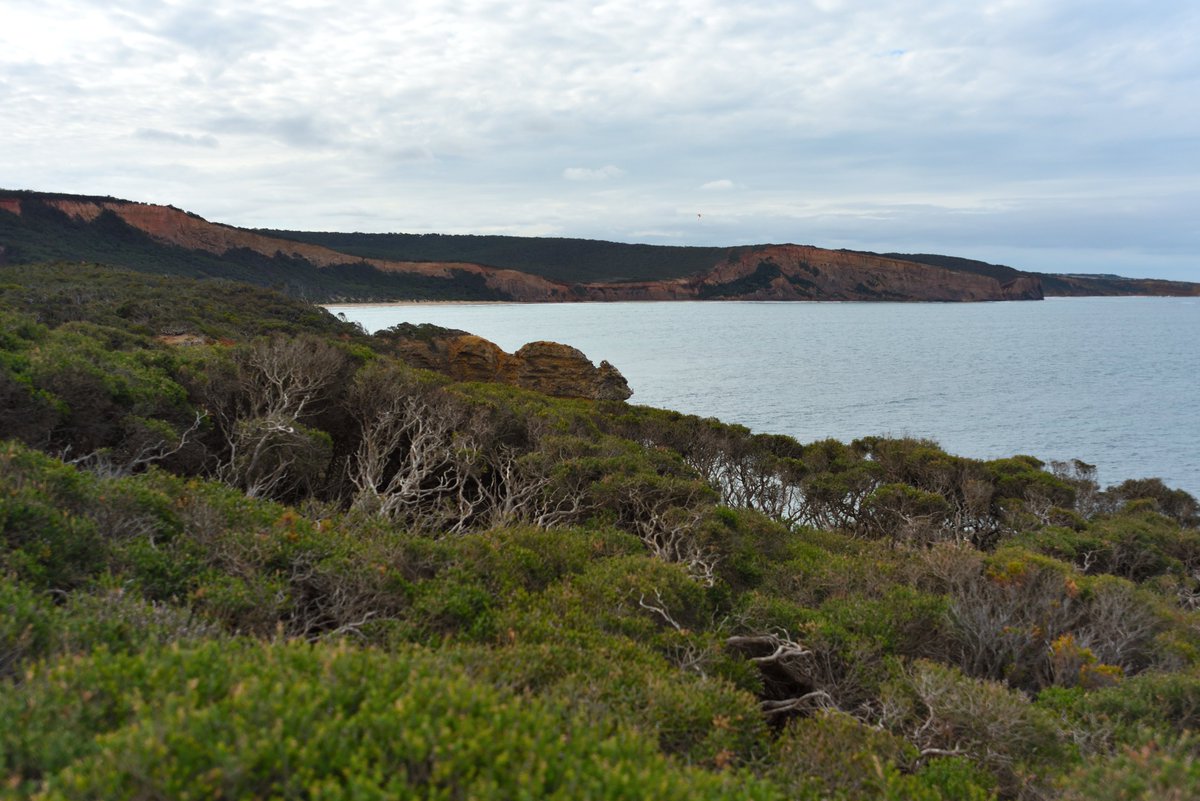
772,272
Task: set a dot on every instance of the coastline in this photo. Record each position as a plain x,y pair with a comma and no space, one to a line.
381,304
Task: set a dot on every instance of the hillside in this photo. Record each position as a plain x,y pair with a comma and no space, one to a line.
1056,285
249,551
559,259
38,227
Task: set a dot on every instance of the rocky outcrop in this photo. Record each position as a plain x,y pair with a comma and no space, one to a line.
546,367
564,372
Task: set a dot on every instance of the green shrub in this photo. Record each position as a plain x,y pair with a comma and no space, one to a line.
296,721
839,755
45,538
122,622
1155,769
1166,702
27,626
832,755
942,711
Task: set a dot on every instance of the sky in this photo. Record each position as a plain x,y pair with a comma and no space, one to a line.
1050,135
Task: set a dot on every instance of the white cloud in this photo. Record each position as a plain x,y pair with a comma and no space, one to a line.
460,116
589,174
177,138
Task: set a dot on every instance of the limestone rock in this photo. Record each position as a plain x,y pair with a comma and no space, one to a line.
472,358
546,367
564,372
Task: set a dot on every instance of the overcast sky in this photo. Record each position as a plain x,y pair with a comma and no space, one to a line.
1057,135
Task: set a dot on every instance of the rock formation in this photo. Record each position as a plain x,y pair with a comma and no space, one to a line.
564,372
546,367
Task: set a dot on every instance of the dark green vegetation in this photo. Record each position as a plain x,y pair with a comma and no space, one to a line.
997,271
559,259
270,561
1056,285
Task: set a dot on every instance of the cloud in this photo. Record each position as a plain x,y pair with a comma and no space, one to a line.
589,174
176,138
924,123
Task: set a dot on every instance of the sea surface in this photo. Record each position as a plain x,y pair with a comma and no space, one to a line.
1112,381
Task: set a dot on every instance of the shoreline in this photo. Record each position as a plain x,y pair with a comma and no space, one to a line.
371,304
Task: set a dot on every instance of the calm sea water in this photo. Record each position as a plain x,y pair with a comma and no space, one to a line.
1111,381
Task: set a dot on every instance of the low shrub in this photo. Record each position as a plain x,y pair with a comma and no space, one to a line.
246,720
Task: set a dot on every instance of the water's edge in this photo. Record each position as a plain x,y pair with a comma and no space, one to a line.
1107,380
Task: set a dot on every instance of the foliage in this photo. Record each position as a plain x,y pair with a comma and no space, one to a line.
559,259
274,559
286,720
42,234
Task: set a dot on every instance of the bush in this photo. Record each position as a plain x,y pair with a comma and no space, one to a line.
27,626
832,755
1153,770
941,711
288,720
840,755
44,536
1007,621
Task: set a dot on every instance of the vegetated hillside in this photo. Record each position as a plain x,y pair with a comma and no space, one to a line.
1089,286
162,239
998,271
272,560
165,239
44,232
572,261
1057,285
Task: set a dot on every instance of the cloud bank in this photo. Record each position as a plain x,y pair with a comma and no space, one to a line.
1052,135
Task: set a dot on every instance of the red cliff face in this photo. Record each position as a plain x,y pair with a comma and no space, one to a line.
186,230
800,272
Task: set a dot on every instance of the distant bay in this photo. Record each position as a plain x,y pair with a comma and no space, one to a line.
1111,381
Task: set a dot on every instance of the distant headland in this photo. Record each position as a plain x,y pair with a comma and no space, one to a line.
329,266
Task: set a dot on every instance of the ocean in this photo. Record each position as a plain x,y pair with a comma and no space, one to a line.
1111,381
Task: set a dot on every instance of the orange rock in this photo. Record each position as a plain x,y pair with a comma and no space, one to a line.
546,367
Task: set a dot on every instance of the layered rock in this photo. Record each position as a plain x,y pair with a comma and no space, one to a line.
546,367
564,372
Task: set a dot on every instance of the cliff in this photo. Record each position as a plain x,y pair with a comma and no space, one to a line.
801,272
1092,286
125,233
175,227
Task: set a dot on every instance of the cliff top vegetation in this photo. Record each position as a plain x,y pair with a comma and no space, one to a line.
246,551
